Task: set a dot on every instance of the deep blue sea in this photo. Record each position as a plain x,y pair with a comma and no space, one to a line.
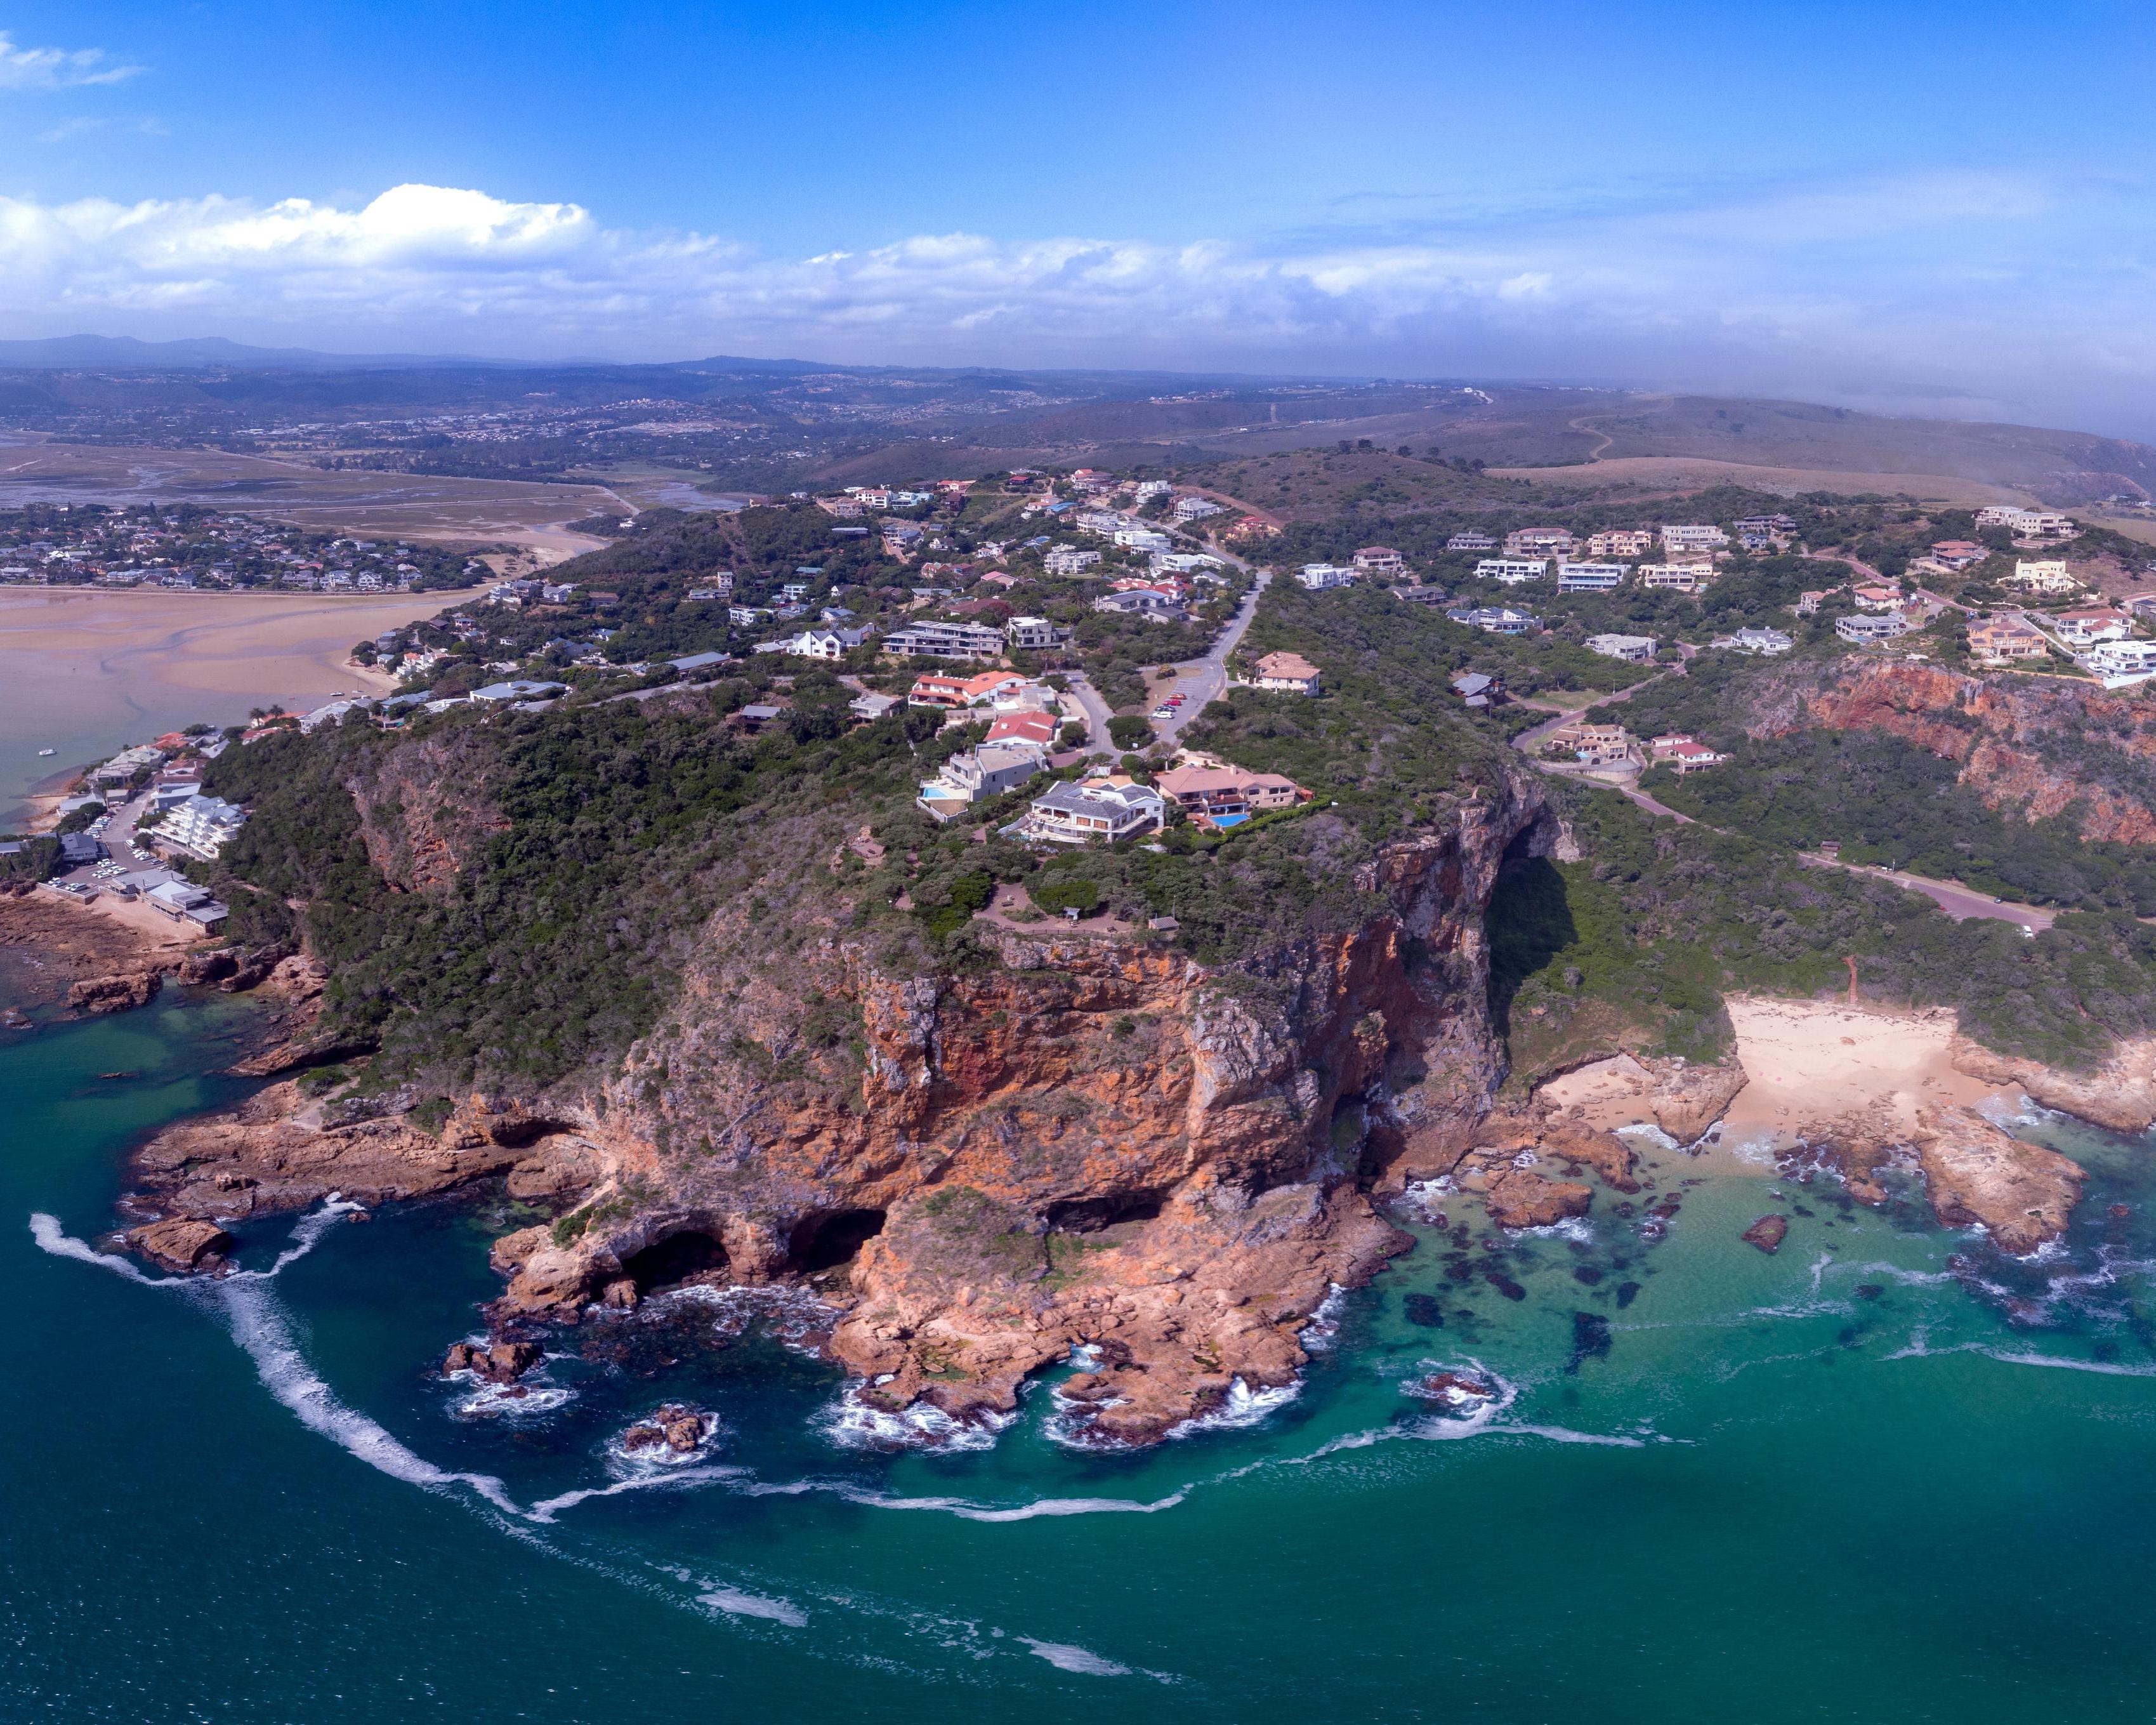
1847,1483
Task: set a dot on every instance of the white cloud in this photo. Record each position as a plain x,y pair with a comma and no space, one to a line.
1939,286
55,68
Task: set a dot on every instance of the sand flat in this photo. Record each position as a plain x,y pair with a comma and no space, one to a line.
275,645
1818,1060
83,671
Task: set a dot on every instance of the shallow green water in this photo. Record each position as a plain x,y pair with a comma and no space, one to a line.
1834,1485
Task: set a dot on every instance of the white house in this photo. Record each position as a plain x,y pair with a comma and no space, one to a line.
1319,576
1069,560
1105,810
202,824
1513,570
1633,649
1766,642
1590,577
1684,536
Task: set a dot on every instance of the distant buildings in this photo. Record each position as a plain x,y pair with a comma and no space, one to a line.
1035,635
1673,577
1225,796
1633,649
1470,542
978,775
2026,524
819,643
1621,542
1539,541
2047,575
932,690
1069,560
1765,642
2087,627
1683,753
1955,554
204,825
1864,630
1690,537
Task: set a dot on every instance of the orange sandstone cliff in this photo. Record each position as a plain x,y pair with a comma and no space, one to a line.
1081,1142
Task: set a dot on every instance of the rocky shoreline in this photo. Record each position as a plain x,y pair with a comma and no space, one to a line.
1093,1151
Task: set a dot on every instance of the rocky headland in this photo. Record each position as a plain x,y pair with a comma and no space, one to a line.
1090,1143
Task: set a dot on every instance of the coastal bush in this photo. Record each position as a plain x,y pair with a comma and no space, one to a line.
1636,947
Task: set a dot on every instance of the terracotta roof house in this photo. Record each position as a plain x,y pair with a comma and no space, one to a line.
1287,671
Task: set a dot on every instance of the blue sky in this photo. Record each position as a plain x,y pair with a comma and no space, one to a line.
1939,208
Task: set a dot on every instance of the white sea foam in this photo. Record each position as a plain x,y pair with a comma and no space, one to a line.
1241,1408
1651,1133
511,1401
249,1308
1066,1658
1578,1229
736,1604
50,1237
1323,1329
854,1423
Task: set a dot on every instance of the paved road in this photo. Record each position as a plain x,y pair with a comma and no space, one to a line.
1096,711
1200,680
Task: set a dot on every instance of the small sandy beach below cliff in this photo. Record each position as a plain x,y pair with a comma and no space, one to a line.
1806,1064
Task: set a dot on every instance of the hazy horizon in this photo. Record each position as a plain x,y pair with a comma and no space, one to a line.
1897,209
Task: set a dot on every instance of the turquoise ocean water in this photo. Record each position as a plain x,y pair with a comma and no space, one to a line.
1881,1476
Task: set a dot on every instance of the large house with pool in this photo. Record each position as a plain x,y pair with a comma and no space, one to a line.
1218,795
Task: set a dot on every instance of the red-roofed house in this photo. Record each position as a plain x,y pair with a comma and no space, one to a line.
2085,628
1036,728
955,691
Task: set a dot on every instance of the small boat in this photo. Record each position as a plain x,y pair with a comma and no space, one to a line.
49,751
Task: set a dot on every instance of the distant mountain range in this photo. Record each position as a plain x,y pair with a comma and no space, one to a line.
127,353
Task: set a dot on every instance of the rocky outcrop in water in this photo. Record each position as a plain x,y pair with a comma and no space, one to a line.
1520,1198
1767,1233
95,995
2120,1094
1974,1172
179,1244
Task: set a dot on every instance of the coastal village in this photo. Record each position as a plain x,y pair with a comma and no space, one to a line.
1033,601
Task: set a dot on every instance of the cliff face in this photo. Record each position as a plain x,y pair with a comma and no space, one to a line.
1093,1143
2035,748
426,810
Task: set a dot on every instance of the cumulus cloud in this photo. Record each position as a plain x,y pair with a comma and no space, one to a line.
1946,287
56,67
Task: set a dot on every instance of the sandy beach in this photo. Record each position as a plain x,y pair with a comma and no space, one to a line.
1805,1063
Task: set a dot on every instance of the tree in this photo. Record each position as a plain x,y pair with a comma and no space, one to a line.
1126,730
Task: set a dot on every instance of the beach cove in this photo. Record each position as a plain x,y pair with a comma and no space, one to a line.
87,670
